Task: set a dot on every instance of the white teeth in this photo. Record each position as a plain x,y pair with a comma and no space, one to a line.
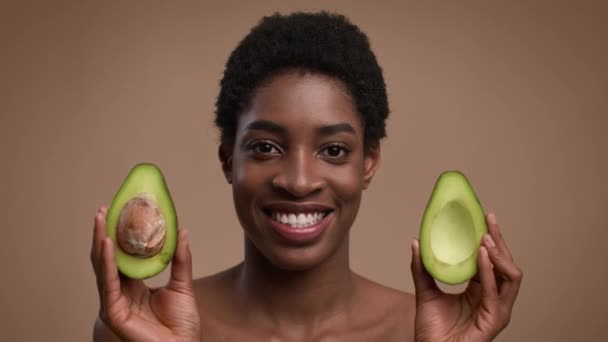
293,219
300,220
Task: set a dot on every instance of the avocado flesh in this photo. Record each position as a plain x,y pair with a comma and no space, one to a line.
144,179
452,228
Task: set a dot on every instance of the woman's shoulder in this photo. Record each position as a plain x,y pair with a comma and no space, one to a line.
388,313
392,301
215,288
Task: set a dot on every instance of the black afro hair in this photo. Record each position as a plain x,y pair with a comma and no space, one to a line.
320,42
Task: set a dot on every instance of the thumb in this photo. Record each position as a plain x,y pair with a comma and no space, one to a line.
181,268
424,283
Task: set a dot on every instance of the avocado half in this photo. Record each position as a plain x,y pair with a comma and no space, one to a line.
142,222
452,228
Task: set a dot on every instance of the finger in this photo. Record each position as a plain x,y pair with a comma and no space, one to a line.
474,284
491,247
109,274
509,273
98,236
424,283
489,292
181,268
129,286
494,231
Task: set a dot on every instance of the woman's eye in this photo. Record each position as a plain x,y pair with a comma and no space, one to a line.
336,151
263,148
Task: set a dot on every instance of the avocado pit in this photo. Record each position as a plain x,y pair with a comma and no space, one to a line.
141,227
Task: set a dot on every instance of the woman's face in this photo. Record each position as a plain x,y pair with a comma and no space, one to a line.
298,169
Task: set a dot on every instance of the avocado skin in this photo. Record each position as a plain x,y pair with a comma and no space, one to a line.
144,178
453,197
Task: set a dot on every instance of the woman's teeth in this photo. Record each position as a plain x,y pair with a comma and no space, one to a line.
298,220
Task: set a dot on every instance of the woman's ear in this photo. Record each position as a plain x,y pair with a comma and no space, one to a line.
371,163
224,153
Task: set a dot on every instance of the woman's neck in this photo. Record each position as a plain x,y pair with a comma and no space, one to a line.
307,297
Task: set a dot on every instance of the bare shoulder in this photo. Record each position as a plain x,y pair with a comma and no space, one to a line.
209,284
396,309
214,293
394,299
219,307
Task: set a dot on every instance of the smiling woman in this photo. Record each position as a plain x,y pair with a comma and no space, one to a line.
301,111
299,150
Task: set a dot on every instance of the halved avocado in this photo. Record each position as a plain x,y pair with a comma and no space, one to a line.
452,228
142,222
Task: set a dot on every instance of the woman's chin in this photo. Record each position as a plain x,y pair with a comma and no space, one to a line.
296,259
290,258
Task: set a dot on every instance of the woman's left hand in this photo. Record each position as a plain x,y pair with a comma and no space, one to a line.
483,310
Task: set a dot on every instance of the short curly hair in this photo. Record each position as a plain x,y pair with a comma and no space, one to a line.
321,42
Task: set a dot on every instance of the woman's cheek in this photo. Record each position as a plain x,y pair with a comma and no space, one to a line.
346,182
250,176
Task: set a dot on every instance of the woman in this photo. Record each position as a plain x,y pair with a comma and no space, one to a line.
301,110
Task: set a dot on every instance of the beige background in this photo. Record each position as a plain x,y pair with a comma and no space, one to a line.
512,93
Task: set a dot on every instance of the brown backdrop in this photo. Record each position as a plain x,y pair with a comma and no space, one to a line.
513,94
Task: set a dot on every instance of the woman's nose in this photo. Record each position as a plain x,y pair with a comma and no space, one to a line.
299,175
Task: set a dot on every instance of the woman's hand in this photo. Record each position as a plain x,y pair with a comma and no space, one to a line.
483,310
135,312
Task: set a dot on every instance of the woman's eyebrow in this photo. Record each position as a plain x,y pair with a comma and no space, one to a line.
265,125
335,128
269,126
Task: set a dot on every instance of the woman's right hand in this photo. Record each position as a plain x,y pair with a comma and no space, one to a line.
135,312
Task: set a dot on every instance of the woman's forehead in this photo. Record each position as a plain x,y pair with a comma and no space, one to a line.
295,99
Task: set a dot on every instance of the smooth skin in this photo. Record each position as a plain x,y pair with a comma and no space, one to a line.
312,152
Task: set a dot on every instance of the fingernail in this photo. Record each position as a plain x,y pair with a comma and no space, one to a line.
484,251
492,218
414,245
489,240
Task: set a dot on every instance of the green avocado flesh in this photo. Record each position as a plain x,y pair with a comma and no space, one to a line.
145,180
452,228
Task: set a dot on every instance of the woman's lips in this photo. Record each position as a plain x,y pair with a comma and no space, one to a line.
300,235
